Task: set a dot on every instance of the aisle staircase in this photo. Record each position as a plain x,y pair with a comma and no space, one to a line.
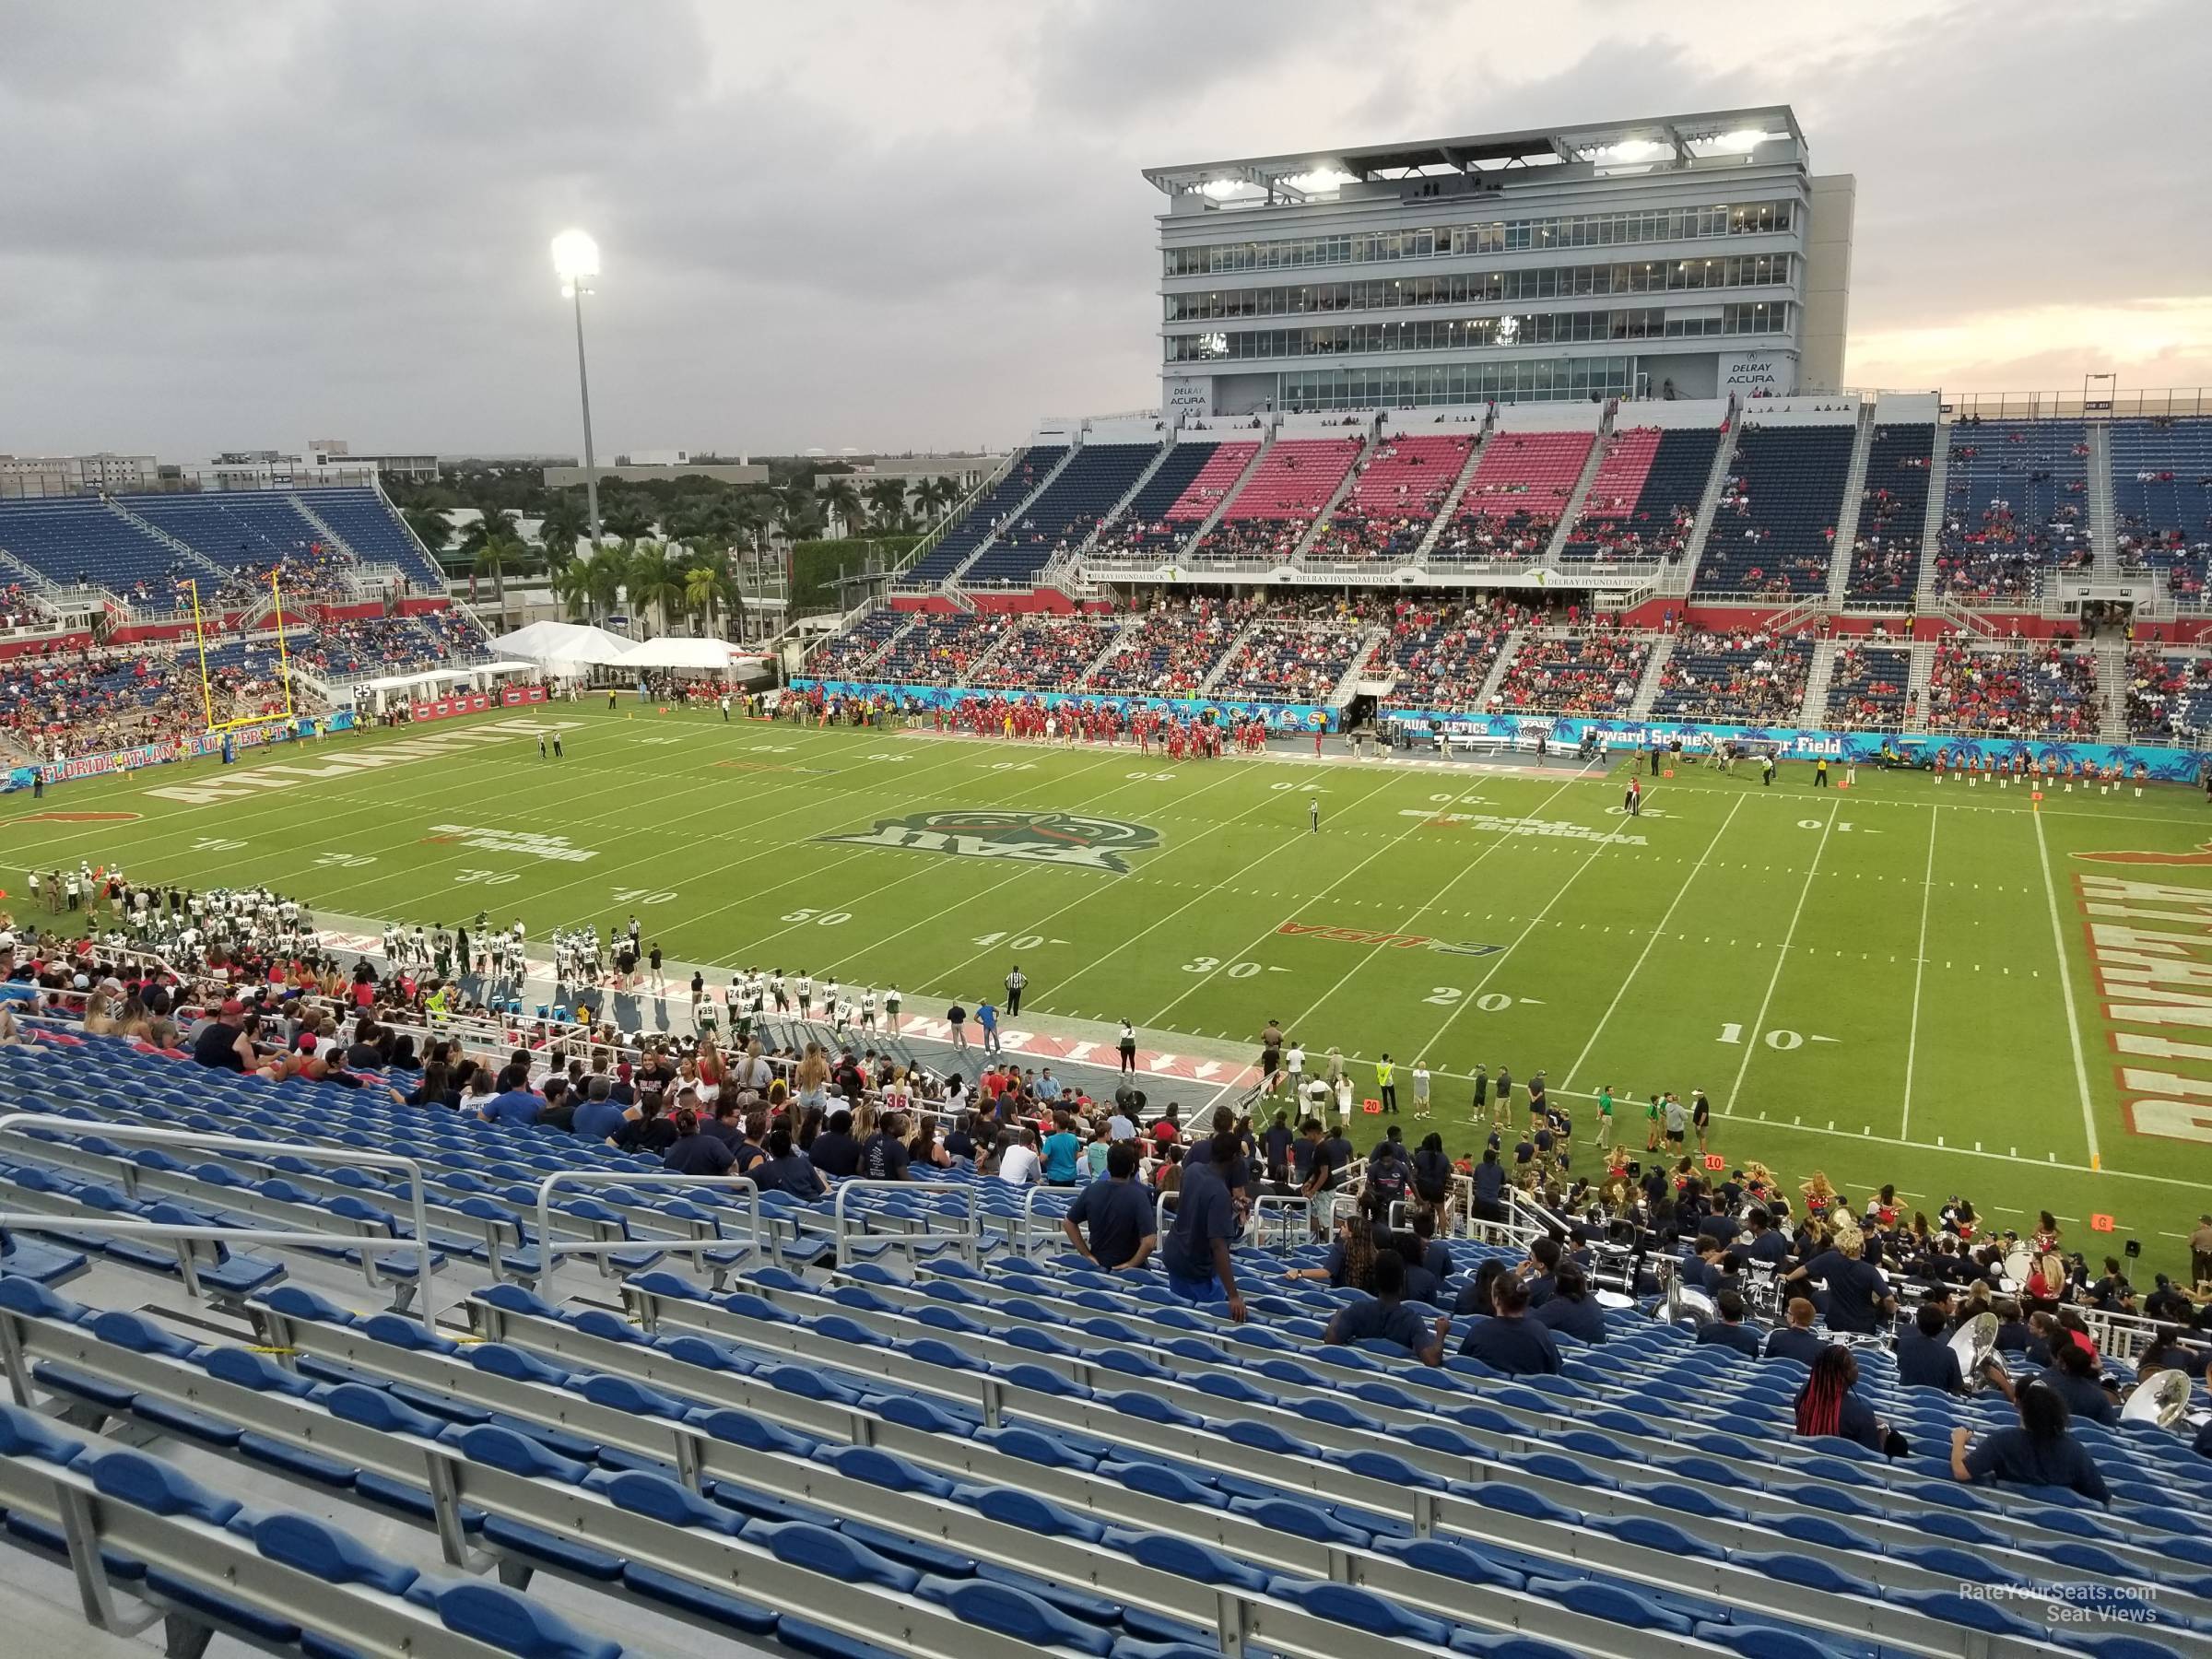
1931,528
1579,494
1916,685
197,561
1647,687
1337,497
1724,458
1020,508
2104,526
1847,515
1453,496
1496,676
2112,690
1813,711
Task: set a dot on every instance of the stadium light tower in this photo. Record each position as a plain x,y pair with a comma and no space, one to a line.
576,262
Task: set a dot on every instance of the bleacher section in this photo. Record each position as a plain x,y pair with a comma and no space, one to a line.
1059,519
390,644
1772,535
1189,484
852,652
937,1455
1520,485
1394,499
1047,653
941,648
2036,691
1593,675
1746,679
78,539
1268,517
1643,498
2168,696
1027,471
364,521
2015,503
1885,555
1294,655
1441,654
2162,499
232,528
1171,652
1866,685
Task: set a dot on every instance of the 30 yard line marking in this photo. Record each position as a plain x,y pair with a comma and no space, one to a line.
1568,1086
1758,1026
1919,963
2065,990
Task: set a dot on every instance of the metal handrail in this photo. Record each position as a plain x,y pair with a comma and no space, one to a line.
1028,1235
348,1157
969,1239
551,1252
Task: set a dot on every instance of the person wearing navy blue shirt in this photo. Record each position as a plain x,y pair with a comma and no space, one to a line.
694,1152
883,1156
1924,1359
1118,1211
1489,1187
1196,1254
1540,1272
1729,1330
600,1117
1385,1316
1509,1341
1766,1243
1858,1296
2038,1453
2071,1375
1826,1405
1573,1311
1275,1144
1796,1340
1436,1255
835,1153
788,1170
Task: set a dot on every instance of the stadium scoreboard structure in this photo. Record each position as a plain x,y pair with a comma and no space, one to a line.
1689,255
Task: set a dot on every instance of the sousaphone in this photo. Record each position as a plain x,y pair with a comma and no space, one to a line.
2159,1398
1973,1342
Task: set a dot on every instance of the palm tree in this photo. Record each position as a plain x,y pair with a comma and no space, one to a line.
572,587
838,500
430,526
656,583
627,519
563,527
796,511
604,574
495,555
935,495
706,586
887,503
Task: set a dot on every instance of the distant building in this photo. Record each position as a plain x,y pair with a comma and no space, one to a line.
76,474
1695,255
336,453
633,472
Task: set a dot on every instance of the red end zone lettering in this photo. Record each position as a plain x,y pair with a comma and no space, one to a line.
2151,953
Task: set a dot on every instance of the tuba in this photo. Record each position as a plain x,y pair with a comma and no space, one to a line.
2159,1398
1974,1342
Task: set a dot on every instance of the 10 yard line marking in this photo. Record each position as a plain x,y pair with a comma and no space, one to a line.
1758,1026
1919,964
1568,1088
2066,987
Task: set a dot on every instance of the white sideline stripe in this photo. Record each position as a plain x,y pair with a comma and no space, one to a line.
1572,1071
1920,967
2065,989
1758,1026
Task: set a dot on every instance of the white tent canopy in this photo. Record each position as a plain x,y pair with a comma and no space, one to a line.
562,645
672,651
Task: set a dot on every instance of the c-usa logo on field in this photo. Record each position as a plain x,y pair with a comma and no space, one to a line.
1058,838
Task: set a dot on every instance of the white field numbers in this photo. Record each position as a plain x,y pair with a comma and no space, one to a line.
216,843
820,918
1778,1039
1145,777
486,877
346,861
1011,941
644,895
1448,997
1211,964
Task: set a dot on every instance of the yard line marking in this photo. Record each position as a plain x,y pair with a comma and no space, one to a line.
1927,891
1476,991
1404,926
2065,990
1204,978
1757,1028
1568,1086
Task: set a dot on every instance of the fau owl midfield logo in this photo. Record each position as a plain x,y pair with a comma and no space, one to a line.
1056,838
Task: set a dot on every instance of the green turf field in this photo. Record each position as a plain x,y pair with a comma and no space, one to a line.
1895,983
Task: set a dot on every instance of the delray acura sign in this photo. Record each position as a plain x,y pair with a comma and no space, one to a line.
1770,373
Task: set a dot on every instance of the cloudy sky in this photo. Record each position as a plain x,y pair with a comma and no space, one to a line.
894,224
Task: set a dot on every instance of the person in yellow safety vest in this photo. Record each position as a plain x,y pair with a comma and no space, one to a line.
437,1004
1386,1084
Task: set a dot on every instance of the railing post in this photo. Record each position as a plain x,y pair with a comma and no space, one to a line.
348,1159
969,1239
549,1253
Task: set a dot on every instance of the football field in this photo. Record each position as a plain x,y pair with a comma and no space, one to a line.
1898,982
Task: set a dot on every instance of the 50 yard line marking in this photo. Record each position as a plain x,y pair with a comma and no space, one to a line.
1757,1028
1920,965
2065,990
1568,1088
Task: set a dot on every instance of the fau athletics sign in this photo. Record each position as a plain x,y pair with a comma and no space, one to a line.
1056,838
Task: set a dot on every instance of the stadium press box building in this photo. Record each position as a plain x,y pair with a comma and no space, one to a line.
1690,255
